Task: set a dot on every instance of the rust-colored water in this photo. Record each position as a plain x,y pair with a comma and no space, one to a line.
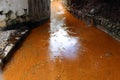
65,49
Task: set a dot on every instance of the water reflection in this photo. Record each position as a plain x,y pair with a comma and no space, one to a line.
62,45
61,10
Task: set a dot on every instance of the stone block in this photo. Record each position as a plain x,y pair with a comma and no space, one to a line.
3,24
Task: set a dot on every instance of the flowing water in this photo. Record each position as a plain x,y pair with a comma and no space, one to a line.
65,48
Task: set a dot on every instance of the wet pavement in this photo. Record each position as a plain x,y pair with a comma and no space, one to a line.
65,48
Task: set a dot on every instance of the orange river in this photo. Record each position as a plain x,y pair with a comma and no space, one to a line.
65,48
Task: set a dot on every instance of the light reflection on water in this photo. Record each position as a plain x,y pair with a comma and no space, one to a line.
61,10
61,43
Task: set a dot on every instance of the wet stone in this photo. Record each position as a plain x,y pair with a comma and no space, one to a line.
1,64
119,33
8,40
1,52
4,36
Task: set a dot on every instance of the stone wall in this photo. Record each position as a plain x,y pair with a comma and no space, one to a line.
13,11
20,11
110,25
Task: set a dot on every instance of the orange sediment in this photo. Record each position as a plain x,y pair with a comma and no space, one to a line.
65,48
